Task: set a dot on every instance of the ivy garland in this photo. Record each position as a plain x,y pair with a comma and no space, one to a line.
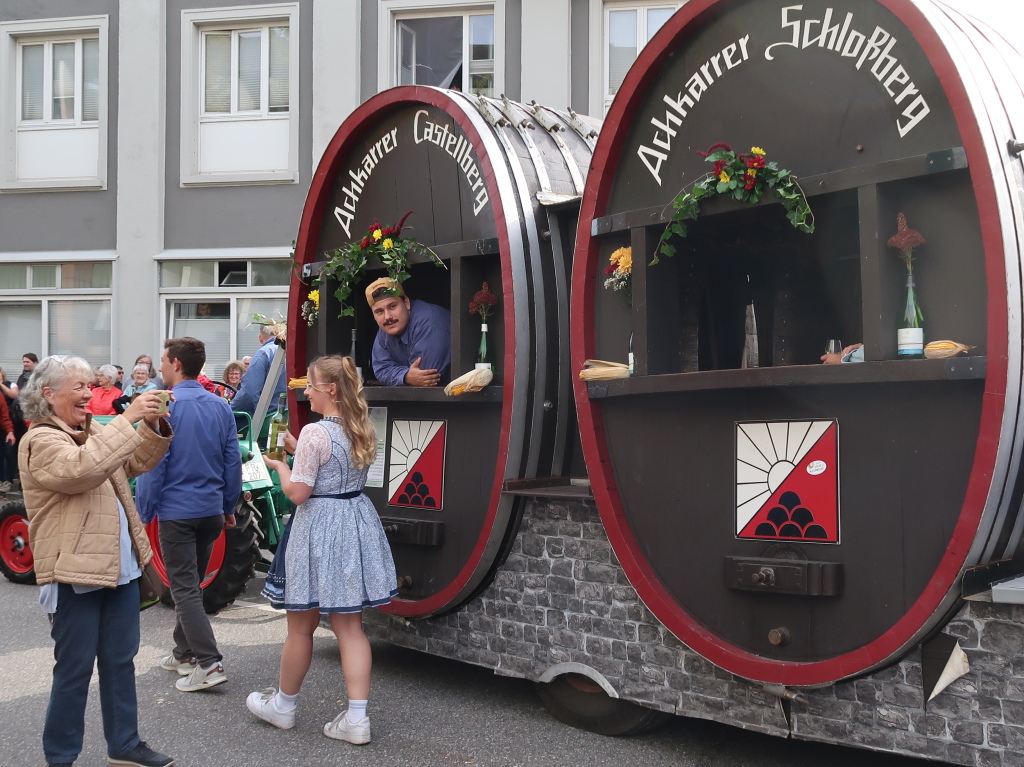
744,177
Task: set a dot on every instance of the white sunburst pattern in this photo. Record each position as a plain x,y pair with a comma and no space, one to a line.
408,440
766,453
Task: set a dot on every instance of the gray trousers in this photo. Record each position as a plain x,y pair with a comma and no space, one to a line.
186,545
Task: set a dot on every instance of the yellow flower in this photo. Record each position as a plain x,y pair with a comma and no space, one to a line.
723,177
314,296
752,172
621,253
757,150
377,234
388,244
625,262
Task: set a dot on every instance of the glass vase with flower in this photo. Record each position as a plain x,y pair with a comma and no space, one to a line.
482,304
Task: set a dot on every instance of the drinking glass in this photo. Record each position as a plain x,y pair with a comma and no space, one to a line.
834,346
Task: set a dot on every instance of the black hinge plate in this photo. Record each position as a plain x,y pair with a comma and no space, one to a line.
416,532
784,576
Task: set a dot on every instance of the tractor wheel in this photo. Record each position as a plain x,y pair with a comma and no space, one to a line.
578,701
232,562
15,554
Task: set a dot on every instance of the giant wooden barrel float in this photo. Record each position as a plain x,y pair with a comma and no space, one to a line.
799,523
494,188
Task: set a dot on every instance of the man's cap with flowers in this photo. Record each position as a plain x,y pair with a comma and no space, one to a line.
391,288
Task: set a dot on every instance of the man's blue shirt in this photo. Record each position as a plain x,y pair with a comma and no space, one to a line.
201,473
249,391
428,336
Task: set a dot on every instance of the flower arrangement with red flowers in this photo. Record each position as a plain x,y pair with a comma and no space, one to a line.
905,240
744,177
620,273
483,301
385,243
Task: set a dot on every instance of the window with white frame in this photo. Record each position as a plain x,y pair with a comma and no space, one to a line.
626,29
215,301
55,308
53,103
443,43
239,95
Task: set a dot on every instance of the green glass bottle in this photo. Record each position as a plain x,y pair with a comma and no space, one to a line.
278,429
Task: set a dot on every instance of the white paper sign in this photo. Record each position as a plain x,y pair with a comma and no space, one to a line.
379,419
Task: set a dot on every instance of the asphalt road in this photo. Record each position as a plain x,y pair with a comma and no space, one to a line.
425,710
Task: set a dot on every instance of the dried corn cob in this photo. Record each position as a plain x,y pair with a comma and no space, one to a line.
943,349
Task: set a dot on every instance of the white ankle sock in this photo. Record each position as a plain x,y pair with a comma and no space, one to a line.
285,703
356,710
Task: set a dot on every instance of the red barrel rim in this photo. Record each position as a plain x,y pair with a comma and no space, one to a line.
370,112
584,282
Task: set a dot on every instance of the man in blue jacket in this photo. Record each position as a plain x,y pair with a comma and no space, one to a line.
255,377
192,491
414,344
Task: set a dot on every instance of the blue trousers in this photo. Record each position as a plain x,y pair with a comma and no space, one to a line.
99,627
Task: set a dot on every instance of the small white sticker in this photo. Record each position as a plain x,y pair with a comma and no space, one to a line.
814,468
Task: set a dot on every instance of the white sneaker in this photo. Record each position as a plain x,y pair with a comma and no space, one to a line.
342,729
202,679
183,667
5,487
262,704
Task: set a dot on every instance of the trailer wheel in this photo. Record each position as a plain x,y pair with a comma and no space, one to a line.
15,555
232,562
578,701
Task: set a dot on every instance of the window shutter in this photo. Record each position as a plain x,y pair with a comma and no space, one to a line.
621,46
21,330
249,55
63,81
91,79
32,82
217,79
215,333
81,328
279,83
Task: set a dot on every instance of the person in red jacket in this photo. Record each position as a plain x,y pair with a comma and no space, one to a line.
103,396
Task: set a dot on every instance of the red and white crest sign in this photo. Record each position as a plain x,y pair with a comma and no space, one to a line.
416,464
787,480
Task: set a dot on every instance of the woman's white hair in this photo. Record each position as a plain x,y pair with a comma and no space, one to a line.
143,368
52,373
109,371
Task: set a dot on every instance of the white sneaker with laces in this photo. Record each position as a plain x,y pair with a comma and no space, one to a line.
202,679
183,667
342,729
262,704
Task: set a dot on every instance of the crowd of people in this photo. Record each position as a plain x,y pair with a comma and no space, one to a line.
334,559
88,528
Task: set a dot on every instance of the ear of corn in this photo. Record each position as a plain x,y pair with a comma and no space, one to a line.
297,383
943,349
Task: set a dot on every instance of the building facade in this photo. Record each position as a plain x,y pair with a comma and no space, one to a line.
155,155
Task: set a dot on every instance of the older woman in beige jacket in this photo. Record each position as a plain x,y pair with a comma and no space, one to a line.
89,548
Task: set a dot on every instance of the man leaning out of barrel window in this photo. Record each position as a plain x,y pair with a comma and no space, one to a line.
414,344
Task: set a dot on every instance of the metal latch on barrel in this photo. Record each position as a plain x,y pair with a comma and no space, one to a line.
784,576
417,532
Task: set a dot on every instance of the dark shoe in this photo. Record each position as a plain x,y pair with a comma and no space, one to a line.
140,756
60,764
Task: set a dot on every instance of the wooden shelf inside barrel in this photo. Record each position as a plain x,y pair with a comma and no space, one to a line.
428,394
890,371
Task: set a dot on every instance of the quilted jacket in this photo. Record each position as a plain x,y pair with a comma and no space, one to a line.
71,480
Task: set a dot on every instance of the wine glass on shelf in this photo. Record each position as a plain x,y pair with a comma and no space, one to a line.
834,346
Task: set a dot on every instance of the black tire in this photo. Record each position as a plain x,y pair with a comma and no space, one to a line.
241,553
15,554
578,701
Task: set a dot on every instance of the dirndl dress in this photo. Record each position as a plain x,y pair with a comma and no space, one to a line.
334,553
